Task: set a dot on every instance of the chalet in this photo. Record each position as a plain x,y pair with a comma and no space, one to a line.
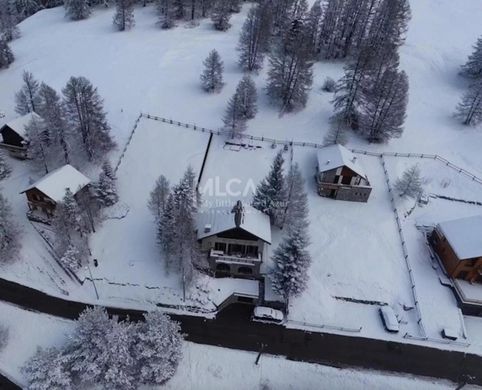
458,244
13,135
340,175
236,240
44,194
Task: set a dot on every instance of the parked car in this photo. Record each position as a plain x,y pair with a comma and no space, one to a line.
267,314
389,319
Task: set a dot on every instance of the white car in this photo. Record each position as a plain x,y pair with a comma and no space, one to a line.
389,319
267,314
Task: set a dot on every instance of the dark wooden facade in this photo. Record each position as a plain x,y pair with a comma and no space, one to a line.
342,183
466,269
13,142
38,201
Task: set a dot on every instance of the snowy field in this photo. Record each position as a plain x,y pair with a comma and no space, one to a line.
355,248
204,367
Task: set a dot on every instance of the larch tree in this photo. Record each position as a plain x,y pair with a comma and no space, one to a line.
124,14
233,120
246,90
313,28
410,184
166,231
157,203
27,99
38,146
77,9
255,38
157,348
9,233
221,15
212,76
296,210
469,110
290,75
473,67
270,195
6,55
85,113
336,135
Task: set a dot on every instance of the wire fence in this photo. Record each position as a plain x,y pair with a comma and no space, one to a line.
131,135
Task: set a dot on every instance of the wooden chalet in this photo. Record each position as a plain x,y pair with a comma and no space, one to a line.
236,240
458,243
13,135
44,194
339,175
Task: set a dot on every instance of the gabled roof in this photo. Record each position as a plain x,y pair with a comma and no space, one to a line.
464,236
56,182
221,219
336,156
18,125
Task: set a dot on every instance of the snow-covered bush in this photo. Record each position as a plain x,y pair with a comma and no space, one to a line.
329,85
3,336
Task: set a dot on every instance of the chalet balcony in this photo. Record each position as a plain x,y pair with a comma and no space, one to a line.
337,186
220,256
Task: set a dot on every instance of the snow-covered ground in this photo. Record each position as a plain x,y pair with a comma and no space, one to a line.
355,247
204,367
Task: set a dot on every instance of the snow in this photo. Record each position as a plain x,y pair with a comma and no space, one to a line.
464,236
57,181
336,156
221,220
205,367
19,124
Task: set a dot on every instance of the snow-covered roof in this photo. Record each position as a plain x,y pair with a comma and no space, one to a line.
464,236
336,156
18,125
217,220
56,182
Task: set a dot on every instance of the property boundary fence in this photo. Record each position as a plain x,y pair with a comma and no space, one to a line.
136,123
314,145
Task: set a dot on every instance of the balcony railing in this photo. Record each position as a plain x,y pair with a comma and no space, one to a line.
225,258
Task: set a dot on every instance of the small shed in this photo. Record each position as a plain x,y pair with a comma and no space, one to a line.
44,194
14,135
340,175
236,239
458,244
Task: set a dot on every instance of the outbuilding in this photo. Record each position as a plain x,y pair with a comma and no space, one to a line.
14,137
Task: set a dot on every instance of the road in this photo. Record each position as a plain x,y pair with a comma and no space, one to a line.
233,328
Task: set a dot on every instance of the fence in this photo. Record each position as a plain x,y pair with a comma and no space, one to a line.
325,326
136,123
314,145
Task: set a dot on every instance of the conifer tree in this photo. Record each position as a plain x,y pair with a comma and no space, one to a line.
290,75
313,28
71,259
158,198
469,110
255,37
179,9
9,233
77,9
38,146
166,12
124,14
410,184
6,55
473,67
85,113
270,195
105,188
8,21
336,135
27,99
296,211
5,169
248,96
221,15
233,120
212,76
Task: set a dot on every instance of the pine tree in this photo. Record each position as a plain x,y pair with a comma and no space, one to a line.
51,109
410,184
248,96
105,188
255,38
5,169
9,233
166,230
469,110
8,21
25,8
270,195
6,55
212,76
38,146
296,211
313,28
48,370
473,67
221,15
166,12
124,14
77,9
384,108
85,113
27,99
291,263
233,120
290,75
158,348
72,258
336,135
158,198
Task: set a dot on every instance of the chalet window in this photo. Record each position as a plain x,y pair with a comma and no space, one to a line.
252,251
220,246
236,249
346,180
337,179
245,270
